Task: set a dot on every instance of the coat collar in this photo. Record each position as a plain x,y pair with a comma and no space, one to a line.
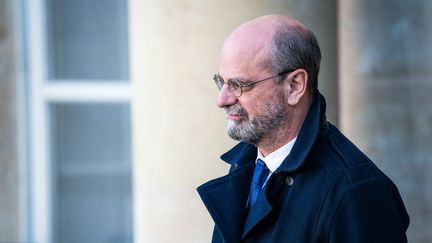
314,121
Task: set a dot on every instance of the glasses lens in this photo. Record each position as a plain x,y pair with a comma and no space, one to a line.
235,88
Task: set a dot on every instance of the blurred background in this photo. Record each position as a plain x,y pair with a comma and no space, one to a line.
108,118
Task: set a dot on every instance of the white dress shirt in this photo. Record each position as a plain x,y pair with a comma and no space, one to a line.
275,159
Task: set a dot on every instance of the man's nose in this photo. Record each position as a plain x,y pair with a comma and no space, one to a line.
226,97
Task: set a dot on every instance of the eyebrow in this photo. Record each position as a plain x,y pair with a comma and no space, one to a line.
237,80
240,80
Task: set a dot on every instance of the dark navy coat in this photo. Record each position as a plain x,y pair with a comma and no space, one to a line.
326,190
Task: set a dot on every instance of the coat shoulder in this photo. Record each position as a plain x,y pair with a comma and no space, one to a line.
341,158
357,194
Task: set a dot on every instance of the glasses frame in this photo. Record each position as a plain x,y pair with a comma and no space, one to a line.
236,86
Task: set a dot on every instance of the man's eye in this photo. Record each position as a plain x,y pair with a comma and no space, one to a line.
235,85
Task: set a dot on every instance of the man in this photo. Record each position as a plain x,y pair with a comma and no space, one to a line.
294,177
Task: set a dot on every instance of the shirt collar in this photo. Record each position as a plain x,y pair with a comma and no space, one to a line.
275,159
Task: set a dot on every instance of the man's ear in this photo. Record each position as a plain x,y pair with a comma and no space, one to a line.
295,86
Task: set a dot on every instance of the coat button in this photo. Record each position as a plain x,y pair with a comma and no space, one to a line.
235,166
289,180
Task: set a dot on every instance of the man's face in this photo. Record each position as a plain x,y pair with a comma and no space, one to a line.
261,109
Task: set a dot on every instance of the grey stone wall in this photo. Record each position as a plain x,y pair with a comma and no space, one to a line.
386,95
9,179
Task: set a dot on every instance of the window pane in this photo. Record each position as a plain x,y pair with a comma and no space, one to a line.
91,180
87,39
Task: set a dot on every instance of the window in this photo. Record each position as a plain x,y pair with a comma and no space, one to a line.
79,103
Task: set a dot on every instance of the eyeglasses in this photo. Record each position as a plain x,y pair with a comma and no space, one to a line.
236,87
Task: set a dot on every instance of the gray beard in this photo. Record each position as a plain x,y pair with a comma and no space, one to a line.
264,125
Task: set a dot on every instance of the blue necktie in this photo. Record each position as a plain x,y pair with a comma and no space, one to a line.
260,175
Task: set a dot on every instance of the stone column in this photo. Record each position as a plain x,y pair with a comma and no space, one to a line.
9,166
386,87
179,133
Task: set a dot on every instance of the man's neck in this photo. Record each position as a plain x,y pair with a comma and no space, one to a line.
270,145
286,133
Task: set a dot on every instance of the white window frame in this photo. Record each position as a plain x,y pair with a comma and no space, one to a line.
41,94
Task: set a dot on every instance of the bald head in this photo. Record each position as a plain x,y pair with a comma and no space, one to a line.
273,43
260,31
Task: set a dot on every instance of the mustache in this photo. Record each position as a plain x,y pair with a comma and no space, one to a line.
235,110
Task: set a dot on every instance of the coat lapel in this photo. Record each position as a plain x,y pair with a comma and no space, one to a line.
225,199
260,210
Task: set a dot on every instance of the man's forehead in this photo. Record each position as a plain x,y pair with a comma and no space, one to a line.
238,59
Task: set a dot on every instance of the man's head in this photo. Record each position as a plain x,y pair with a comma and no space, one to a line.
280,58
